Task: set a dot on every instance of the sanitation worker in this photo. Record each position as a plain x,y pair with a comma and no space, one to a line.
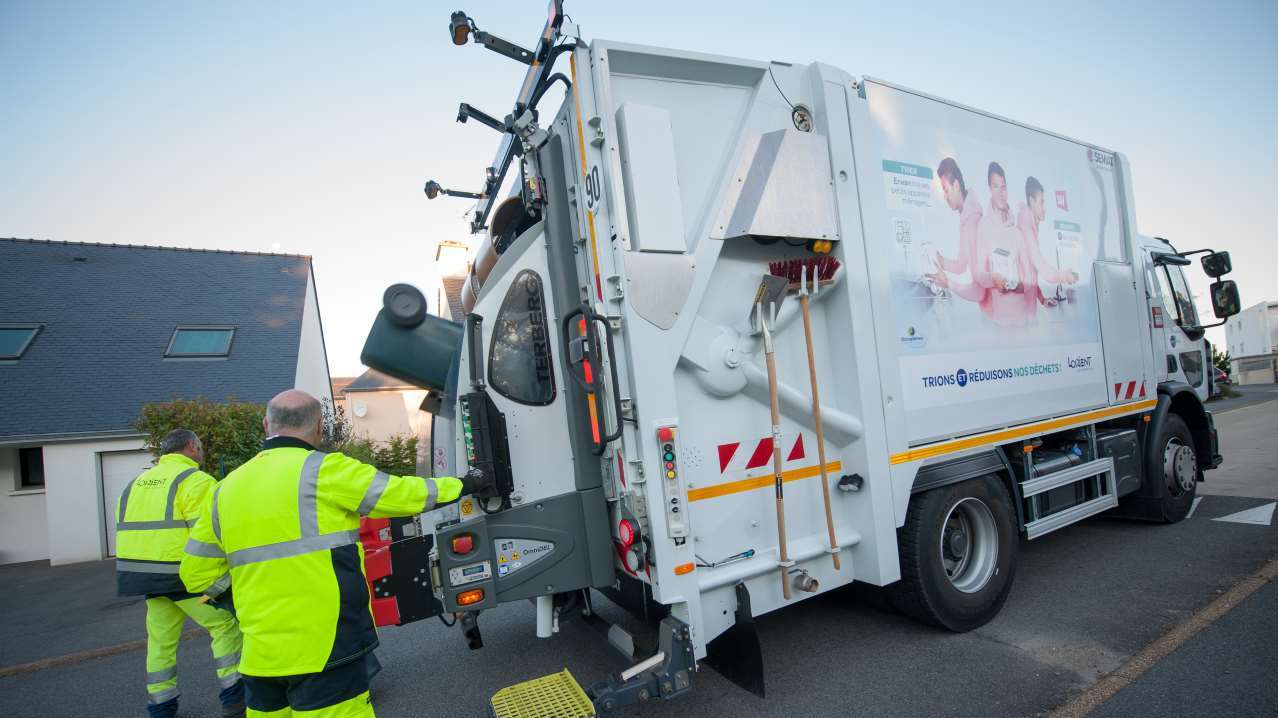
283,531
153,520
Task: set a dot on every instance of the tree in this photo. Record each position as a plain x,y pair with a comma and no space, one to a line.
1222,361
231,432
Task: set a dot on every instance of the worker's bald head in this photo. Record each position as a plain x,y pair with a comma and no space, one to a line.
295,413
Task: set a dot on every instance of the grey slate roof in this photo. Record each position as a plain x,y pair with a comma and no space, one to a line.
108,312
373,380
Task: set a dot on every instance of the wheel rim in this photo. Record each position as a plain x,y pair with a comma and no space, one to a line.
969,545
1180,467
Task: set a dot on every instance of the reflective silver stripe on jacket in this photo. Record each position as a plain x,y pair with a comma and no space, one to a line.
296,547
161,675
167,523
206,550
173,489
149,525
217,523
308,494
229,679
374,494
122,564
432,494
218,587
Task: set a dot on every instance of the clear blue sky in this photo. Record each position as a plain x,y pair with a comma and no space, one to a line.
309,127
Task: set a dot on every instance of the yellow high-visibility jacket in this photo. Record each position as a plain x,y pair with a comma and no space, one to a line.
283,531
153,518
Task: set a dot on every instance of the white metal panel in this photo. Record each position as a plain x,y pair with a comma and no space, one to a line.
651,178
118,469
1122,326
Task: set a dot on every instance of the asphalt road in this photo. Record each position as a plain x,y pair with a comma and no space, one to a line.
1085,600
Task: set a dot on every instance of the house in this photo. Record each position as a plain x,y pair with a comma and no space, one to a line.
91,332
339,399
379,406
1252,337
452,266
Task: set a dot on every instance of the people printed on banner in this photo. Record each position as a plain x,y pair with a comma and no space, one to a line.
999,250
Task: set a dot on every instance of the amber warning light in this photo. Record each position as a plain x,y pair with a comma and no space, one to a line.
473,596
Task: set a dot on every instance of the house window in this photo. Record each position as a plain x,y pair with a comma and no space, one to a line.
200,342
31,468
15,338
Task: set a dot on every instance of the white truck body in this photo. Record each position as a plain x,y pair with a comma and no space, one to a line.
679,176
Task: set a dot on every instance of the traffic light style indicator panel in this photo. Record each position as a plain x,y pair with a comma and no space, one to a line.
676,500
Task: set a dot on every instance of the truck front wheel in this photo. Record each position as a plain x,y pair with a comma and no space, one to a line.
1178,472
958,554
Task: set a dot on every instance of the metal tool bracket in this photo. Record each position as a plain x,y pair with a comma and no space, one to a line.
664,675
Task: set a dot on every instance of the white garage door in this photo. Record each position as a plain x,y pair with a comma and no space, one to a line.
118,469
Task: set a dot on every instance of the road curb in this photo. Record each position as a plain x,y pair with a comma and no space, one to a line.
1137,665
70,659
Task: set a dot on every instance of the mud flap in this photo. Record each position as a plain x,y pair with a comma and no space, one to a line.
736,653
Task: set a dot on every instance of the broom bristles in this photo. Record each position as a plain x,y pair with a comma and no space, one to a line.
793,269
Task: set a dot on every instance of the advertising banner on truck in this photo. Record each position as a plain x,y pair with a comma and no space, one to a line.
993,230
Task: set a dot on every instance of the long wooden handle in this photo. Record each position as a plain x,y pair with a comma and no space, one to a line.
776,469
820,432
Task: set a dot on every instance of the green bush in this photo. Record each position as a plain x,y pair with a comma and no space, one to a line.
397,456
231,432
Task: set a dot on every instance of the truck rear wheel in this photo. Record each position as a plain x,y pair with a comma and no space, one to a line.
1179,470
958,554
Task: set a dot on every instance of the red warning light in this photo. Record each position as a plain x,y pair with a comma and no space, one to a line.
665,433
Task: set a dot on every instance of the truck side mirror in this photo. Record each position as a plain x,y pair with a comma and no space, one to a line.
1217,264
1224,297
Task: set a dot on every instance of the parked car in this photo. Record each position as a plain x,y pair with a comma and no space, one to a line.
1222,377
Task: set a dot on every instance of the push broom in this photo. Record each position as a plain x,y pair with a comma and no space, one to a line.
806,275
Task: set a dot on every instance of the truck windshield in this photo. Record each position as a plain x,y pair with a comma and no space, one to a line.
1176,291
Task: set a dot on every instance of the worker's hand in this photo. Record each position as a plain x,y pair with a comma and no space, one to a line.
998,280
476,482
940,279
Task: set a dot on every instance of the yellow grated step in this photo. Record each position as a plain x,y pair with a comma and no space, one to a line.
557,695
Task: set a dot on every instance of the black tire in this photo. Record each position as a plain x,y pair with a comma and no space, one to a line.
926,591
1177,500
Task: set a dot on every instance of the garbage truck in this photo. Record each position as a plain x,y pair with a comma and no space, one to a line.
741,332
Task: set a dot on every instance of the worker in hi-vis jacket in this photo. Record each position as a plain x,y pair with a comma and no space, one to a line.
153,522
283,532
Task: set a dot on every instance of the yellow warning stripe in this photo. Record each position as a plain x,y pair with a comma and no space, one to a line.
1019,432
585,173
576,101
759,482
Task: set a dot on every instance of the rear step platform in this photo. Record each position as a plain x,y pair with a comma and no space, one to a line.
557,695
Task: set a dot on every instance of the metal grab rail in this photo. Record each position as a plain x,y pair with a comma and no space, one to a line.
595,385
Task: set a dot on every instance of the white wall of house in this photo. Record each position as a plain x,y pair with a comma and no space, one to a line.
379,415
73,494
1253,331
24,534
312,362
1252,337
390,412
